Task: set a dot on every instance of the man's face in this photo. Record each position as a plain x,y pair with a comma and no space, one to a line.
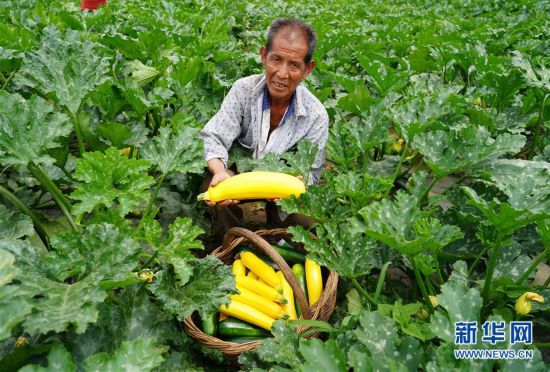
284,64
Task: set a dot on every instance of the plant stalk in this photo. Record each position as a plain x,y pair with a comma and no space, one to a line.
381,280
7,80
38,226
491,268
538,127
58,196
398,168
533,266
421,285
78,130
474,264
363,292
153,197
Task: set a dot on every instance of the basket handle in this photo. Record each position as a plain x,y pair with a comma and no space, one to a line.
265,247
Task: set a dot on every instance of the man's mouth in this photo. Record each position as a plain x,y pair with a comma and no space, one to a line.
279,85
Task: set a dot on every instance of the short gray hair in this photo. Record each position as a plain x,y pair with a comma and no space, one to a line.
295,24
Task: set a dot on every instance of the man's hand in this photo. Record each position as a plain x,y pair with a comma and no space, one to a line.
217,178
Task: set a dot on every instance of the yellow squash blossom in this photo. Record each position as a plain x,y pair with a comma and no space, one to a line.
523,303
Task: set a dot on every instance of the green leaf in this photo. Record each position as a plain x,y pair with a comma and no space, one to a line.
526,183
282,348
63,305
131,316
175,152
403,226
379,335
13,309
138,355
115,133
102,251
14,225
342,147
110,180
405,316
511,263
59,360
319,202
447,152
322,356
355,306
28,129
338,248
423,107
361,188
206,291
501,215
176,247
141,73
8,271
462,304
301,161
64,68
539,78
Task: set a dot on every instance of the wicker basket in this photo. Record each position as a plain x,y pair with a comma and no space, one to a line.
321,310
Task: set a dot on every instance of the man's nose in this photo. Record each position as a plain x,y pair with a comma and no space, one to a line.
282,72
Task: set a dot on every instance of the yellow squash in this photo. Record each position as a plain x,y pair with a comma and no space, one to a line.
238,268
288,308
260,288
258,302
261,269
314,281
248,314
251,275
255,185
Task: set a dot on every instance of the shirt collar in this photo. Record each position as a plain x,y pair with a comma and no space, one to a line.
297,98
289,111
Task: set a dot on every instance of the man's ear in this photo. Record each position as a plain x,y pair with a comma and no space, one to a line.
309,67
263,55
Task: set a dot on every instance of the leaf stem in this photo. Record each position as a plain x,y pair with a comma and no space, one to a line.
534,265
491,267
540,121
427,190
363,292
58,196
421,285
153,197
474,264
398,168
381,280
7,80
38,226
78,130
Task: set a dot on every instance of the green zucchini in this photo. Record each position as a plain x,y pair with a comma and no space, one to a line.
300,274
236,328
290,255
243,339
209,323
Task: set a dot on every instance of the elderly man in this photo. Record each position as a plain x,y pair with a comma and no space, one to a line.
268,112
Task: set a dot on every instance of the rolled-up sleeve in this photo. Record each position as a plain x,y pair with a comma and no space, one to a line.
225,126
318,136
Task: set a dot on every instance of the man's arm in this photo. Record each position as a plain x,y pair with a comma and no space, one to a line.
224,127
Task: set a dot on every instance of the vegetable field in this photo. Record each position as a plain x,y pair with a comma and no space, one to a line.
434,207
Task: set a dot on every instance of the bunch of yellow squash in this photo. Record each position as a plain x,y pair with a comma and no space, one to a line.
264,293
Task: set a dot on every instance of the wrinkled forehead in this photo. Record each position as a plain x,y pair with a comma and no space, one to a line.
291,35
